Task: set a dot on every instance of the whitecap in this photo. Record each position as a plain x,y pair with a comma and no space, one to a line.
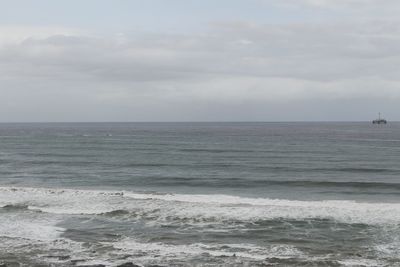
197,208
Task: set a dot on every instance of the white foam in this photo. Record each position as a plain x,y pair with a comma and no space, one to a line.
197,208
49,251
221,210
60,201
361,262
234,207
156,250
22,226
390,248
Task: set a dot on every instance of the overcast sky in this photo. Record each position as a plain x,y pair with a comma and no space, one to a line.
199,60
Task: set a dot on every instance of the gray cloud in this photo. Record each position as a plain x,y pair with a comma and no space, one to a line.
257,69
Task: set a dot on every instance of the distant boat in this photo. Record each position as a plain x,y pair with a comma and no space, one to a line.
379,120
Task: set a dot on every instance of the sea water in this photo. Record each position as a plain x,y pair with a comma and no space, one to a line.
200,194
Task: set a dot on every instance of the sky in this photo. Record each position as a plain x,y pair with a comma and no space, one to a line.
208,60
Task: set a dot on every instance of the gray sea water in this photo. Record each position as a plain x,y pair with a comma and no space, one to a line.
200,194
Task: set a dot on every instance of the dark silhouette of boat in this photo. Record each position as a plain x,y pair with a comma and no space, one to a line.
379,120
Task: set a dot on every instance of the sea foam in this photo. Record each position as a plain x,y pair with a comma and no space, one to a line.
164,207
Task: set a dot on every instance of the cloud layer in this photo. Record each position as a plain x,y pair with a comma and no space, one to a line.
235,70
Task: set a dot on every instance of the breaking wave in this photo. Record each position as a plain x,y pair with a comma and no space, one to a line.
164,207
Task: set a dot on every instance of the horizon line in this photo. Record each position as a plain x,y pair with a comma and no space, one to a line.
227,121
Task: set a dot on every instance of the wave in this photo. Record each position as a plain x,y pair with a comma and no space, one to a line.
195,208
214,150
273,168
325,184
250,183
331,169
23,226
15,207
132,246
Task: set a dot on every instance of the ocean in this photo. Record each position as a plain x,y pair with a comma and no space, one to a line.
200,194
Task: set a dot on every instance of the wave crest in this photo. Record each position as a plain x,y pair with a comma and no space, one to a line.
193,208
